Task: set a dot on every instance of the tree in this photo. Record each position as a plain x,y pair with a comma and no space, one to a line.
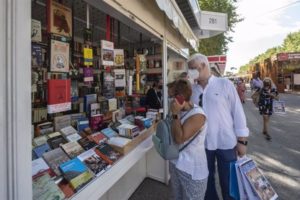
292,42
219,44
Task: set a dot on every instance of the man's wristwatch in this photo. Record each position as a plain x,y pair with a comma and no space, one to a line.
243,142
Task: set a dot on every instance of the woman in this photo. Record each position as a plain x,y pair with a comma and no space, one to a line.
241,89
189,172
267,94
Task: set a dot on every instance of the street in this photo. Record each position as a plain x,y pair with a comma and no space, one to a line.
279,158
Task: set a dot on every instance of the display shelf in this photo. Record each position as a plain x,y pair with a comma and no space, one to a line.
99,186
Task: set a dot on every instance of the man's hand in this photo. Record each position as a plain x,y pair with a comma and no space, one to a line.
241,149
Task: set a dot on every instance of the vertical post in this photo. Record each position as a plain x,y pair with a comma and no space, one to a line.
107,27
165,75
87,16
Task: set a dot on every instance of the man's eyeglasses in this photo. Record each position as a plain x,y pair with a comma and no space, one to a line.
201,100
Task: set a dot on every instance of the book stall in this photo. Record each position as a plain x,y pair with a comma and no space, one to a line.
90,123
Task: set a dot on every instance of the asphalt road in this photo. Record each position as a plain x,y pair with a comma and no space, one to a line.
280,158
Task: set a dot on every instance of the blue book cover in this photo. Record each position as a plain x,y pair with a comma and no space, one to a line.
72,168
88,99
37,55
40,150
108,132
82,123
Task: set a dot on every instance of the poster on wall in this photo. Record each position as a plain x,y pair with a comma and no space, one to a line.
107,53
60,19
119,57
59,56
36,31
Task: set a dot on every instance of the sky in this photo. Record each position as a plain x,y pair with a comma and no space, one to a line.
266,24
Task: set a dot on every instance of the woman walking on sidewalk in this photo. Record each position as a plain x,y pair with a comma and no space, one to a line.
189,172
241,89
267,94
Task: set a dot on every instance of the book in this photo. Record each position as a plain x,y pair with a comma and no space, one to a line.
66,188
39,166
73,149
60,53
62,122
116,115
44,128
120,79
96,122
55,142
108,87
88,56
94,109
59,95
68,130
95,163
36,31
98,138
88,75
104,106
119,57
87,143
257,180
109,132
107,153
40,150
89,99
128,130
54,134
118,141
112,104
107,53
75,117
40,140
76,173
82,124
59,19
43,187
54,158
74,137
36,55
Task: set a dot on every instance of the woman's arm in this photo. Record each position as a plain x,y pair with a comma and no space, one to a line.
191,126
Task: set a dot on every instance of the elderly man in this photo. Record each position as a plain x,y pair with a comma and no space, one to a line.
227,129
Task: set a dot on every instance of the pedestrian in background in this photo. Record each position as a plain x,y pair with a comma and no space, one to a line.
227,129
189,172
257,82
267,94
241,89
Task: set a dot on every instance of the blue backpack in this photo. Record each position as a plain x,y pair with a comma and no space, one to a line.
164,142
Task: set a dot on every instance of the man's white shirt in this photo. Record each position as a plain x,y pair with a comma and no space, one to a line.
225,114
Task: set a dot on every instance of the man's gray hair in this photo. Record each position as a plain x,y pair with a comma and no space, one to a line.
198,57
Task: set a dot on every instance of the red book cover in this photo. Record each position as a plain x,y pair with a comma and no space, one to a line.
98,138
59,95
96,122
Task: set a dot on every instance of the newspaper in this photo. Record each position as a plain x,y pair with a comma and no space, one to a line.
279,107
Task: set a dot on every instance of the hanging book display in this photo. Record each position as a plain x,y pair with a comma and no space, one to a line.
119,57
59,56
107,53
60,19
108,86
59,95
36,31
88,75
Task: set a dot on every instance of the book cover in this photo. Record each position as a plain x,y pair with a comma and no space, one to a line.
86,143
119,57
88,75
109,132
66,188
36,31
68,130
88,56
44,128
55,142
96,122
74,137
40,150
59,95
39,166
60,52
62,122
107,153
94,109
89,99
54,158
82,124
73,149
258,181
59,19
95,163
107,53
75,117
120,80
98,138
118,141
43,187
108,86
36,56
76,173
104,106
54,134
40,140
112,104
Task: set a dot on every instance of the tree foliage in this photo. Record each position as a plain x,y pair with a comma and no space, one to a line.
292,42
219,44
